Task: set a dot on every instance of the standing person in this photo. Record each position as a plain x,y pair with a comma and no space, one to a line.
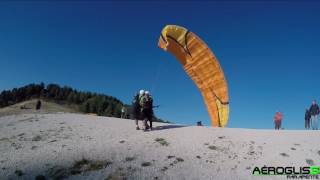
38,105
307,118
277,120
123,112
314,111
150,109
146,103
136,108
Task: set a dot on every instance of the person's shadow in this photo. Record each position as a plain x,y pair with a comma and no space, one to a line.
164,127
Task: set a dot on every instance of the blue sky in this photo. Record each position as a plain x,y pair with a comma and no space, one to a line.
269,51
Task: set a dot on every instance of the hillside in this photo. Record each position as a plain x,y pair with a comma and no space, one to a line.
29,107
62,98
88,102
73,146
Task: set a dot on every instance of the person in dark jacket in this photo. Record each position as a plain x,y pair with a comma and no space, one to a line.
314,111
146,103
136,108
307,118
38,105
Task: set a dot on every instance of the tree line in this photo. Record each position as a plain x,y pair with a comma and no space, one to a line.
100,104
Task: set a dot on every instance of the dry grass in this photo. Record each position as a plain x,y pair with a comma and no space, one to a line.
146,164
19,173
128,159
162,141
310,162
85,165
213,147
284,154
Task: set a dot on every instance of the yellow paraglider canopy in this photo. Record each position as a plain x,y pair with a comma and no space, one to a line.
202,67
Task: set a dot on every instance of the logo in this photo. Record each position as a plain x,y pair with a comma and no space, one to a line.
307,172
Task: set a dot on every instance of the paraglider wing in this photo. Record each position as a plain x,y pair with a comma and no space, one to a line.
202,67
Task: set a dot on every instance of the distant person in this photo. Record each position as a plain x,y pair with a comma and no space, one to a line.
136,108
277,120
38,105
123,112
307,118
199,123
146,103
314,111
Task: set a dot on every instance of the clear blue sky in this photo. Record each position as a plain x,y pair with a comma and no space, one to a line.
270,53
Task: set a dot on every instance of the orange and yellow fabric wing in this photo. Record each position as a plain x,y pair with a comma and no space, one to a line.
202,67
